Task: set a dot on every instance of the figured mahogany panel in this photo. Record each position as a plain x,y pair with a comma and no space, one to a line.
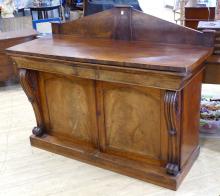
132,119
70,107
191,115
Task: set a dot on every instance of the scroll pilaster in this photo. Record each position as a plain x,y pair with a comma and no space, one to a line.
172,113
29,83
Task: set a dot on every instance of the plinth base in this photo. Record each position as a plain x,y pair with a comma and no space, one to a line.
148,173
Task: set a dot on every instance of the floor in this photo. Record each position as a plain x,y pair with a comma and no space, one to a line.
211,90
28,171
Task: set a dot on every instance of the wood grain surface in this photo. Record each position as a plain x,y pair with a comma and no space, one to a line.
69,110
138,112
136,54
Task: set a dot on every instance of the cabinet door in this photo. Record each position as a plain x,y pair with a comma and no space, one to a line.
132,121
69,108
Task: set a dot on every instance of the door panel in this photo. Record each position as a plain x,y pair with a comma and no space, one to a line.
132,119
70,109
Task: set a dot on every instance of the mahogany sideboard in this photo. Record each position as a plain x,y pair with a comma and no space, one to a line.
120,90
8,39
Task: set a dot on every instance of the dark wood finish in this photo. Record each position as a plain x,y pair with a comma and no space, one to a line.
212,71
8,39
115,97
196,11
177,58
96,26
172,116
191,96
29,82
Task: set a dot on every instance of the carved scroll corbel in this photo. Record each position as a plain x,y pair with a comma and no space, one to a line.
29,83
172,112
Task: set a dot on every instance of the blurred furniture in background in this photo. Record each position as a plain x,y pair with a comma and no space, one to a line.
212,73
42,11
20,7
178,10
43,26
21,11
94,6
16,23
8,39
197,10
13,31
76,5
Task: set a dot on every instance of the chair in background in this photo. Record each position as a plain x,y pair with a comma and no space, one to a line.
76,4
42,11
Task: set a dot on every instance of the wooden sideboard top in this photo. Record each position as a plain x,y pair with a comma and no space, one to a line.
124,37
135,54
17,34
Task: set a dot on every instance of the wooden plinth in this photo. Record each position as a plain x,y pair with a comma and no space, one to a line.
152,174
